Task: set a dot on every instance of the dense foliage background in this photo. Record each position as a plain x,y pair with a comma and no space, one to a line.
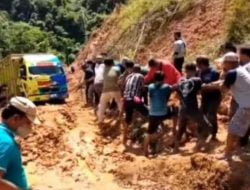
59,26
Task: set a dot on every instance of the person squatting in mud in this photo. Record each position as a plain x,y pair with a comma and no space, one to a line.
162,79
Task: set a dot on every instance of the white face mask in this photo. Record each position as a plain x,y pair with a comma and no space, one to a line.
23,131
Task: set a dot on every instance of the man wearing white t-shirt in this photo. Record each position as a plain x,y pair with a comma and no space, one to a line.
179,51
98,81
244,53
237,79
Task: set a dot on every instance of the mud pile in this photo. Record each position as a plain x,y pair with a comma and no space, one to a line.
47,144
196,172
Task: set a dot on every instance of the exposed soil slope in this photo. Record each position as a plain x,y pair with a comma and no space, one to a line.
204,25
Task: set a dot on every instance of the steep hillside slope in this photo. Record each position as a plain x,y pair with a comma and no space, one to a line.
145,28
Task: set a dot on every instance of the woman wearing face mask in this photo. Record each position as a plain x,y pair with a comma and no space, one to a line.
17,120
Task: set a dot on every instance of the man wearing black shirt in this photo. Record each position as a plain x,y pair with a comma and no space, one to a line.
88,79
211,99
188,90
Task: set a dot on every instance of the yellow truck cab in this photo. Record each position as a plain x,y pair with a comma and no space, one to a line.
39,77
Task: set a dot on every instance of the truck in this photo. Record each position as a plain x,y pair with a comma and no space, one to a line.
39,77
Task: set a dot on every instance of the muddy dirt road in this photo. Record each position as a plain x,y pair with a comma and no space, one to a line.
68,153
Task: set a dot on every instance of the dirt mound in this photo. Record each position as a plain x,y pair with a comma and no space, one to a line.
198,172
46,145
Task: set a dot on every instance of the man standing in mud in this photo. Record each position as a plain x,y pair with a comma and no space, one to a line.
179,51
237,79
98,80
244,55
211,99
244,52
188,90
132,95
111,90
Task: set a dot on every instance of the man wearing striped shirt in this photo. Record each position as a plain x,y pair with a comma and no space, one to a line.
132,97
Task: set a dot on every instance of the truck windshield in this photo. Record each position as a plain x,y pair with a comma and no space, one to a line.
45,70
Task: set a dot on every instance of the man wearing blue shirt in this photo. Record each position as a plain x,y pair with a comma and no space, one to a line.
17,119
159,94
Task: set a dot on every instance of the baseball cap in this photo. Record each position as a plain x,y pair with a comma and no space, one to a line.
26,106
230,57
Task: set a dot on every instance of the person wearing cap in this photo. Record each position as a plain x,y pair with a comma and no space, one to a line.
237,79
17,120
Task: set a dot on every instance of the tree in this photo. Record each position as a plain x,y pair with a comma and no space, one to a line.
21,9
5,5
42,7
50,25
26,39
4,44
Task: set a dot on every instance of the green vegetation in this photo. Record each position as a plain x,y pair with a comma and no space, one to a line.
141,21
239,25
136,10
49,25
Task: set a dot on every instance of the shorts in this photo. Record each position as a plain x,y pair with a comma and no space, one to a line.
130,106
156,121
195,115
233,108
240,122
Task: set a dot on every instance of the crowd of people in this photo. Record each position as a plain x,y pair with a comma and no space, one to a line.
200,87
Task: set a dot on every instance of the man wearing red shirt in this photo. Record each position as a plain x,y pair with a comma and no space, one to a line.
172,75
